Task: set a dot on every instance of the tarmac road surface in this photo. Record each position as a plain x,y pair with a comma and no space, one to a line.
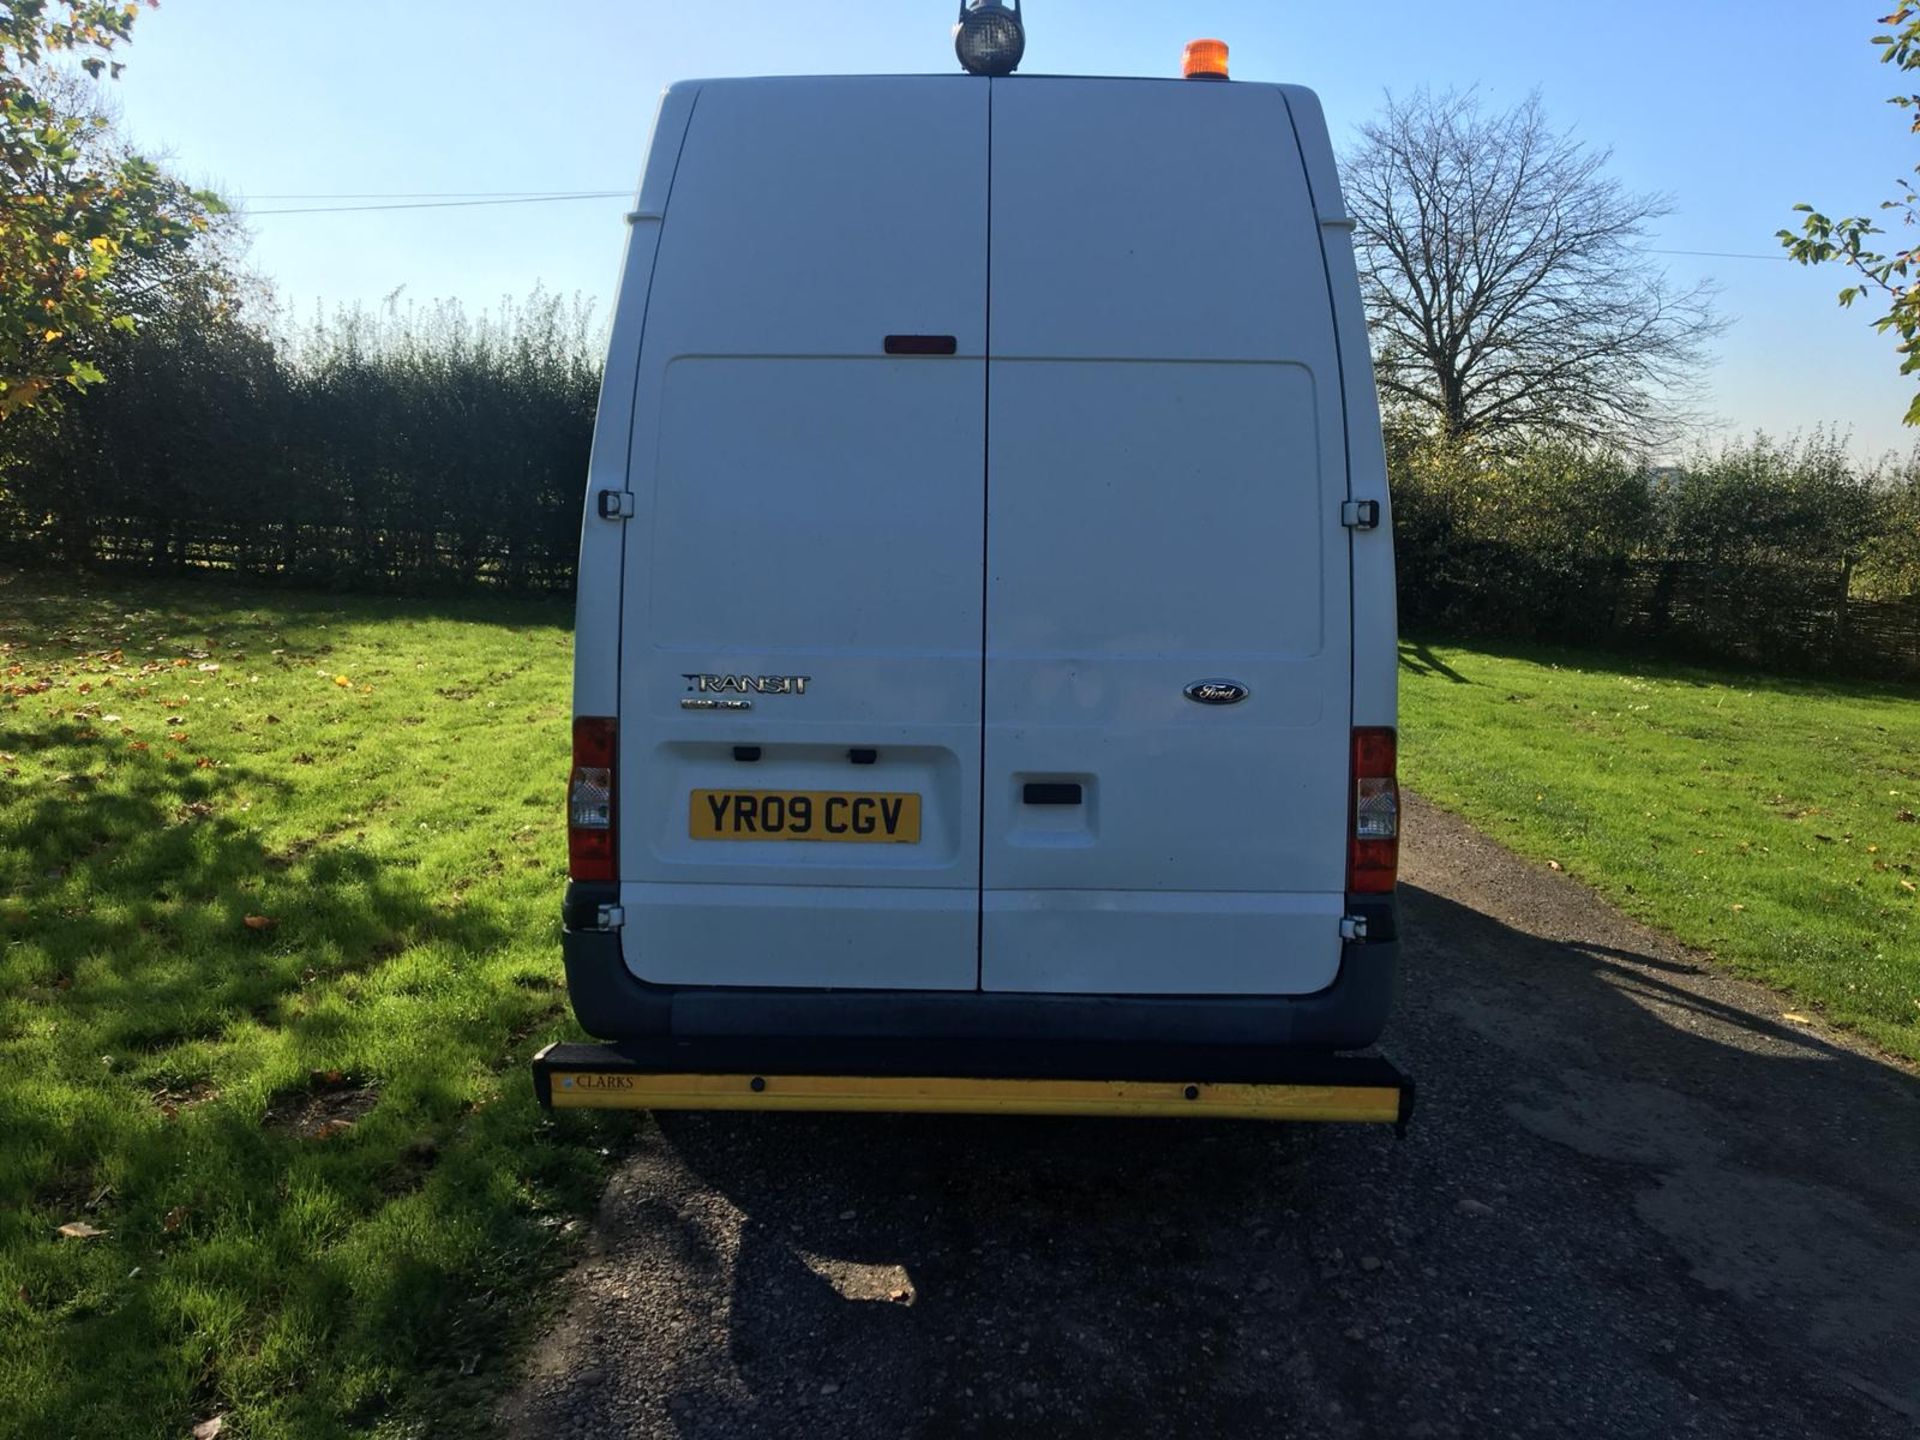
1635,1201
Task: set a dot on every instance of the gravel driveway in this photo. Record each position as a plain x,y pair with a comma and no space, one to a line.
1635,1201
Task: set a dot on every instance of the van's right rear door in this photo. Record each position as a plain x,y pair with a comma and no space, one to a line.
1166,466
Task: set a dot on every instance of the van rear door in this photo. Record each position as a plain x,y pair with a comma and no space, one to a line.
1165,474
802,606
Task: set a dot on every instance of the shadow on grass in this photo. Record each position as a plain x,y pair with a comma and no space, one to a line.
131,976
1416,656
140,885
1419,658
36,604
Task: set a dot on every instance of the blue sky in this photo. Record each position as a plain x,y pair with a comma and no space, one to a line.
1737,110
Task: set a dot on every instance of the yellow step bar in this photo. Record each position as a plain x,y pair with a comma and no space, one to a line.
602,1078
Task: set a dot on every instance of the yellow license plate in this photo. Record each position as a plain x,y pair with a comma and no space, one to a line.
804,815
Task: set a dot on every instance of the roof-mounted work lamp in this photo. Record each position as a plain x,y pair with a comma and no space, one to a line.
990,39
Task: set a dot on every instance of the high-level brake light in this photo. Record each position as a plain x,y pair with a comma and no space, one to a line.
1205,60
990,38
590,801
1373,854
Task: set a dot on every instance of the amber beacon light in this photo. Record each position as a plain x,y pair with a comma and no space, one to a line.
1205,60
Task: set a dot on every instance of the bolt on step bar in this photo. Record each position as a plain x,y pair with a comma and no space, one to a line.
972,1078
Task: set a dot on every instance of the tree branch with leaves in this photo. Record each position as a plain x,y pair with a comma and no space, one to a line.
74,212
1888,274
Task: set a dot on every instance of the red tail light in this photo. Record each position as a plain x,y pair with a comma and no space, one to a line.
1373,850
590,800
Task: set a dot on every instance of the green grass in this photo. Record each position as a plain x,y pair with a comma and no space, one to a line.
1768,821
325,1190
309,1138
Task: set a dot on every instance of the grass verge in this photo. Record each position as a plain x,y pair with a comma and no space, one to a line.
1772,822
278,932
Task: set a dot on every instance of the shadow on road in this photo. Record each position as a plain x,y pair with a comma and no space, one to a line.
1633,1202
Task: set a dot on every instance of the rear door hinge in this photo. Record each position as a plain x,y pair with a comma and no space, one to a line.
1353,927
1360,514
616,505
610,917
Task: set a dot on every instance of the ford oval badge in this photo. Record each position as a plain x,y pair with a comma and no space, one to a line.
1216,692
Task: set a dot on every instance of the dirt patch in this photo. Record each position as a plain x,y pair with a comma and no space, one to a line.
333,1110
171,1099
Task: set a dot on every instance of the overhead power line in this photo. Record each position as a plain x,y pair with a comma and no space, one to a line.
1719,254
461,199
406,194
445,204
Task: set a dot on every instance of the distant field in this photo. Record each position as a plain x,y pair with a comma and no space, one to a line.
279,881
1772,822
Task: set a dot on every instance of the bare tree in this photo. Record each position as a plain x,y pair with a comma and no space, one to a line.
1506,285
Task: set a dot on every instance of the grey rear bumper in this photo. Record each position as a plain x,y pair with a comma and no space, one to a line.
612,1004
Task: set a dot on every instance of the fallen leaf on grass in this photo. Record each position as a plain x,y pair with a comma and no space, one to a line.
174,1219
80,1230
177,735
137,745
1796,1017
343,681
1738,907
332,1128
210,1429
260,922
206,762
273,719
1555,865
1907,885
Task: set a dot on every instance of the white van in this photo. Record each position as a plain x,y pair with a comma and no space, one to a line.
986,646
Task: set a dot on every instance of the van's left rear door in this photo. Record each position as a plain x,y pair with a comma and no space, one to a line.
801,617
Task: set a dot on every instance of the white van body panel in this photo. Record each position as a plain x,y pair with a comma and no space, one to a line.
994,567
1376,622
596,637
807,506
1165,471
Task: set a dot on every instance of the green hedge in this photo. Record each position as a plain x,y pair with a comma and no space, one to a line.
422,449
408,450
1777,553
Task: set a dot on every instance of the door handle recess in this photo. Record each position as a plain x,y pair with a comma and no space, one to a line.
1050,793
